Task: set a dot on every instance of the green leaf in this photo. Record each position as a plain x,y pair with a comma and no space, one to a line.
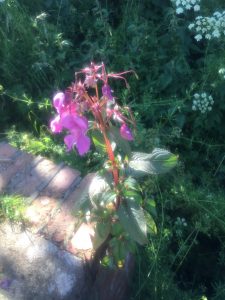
108,197
116,229
131,216
158,162
97,187
131,184
133,195
102,231
151,226
98,141
114,135
150,206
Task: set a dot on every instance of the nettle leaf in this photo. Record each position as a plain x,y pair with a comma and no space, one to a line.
114,135
97,187
130,183
131,216
158,162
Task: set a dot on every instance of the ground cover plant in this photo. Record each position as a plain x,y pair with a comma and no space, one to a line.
177,50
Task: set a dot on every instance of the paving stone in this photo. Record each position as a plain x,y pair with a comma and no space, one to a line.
80,243
6,151
61,228
61,183
34,177
40,212
14,169
37,269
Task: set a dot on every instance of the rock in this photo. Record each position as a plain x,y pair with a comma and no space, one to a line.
37,269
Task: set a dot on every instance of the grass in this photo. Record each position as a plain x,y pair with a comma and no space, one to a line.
185,260
12,208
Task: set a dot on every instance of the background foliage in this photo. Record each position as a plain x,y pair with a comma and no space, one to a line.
42,44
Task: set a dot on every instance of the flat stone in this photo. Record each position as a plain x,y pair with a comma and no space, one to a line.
6,151
37,269
33,178
14,169
40,212
62,227
61,183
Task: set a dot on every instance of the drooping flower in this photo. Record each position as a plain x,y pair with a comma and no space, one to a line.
68,118
77,127
106,91
126,132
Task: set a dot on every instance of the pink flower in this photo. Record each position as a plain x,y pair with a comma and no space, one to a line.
106,91
58,102
78,127
68,118
82,142
56,125
126,132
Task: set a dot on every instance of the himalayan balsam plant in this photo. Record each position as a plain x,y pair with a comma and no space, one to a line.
88,112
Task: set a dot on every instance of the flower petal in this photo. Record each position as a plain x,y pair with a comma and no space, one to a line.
70,140
58,101
56,125
106,91
126,132
83,144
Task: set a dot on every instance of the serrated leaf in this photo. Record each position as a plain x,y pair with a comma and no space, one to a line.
131,216
130,183
158,162
97,187
114,135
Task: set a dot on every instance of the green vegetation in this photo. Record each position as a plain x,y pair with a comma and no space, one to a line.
12,208
42,44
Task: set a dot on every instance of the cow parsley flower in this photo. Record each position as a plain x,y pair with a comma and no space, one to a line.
182,5
202,102
209,27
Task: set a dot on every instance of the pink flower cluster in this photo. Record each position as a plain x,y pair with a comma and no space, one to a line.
74,102
69,119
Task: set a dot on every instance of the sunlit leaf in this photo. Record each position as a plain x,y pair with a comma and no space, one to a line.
158,162
97,187
132,218
151,226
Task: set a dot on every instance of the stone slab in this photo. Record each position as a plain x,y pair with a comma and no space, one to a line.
6,151
63,226
13,168
61,183
33,177
36,269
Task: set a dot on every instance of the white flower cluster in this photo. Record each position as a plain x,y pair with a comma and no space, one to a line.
202,102
182,5
180,222
209,27
222,72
